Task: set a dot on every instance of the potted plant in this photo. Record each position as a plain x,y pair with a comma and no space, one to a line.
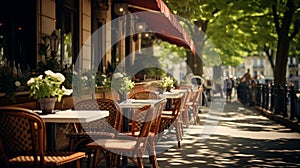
166,83
48,89
122,84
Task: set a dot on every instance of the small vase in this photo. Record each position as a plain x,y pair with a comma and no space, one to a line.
168,89
123,97
47,105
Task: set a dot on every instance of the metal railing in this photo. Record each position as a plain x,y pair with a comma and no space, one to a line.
284,101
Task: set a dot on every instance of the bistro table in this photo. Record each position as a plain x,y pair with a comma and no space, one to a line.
171,96
130,105
68,116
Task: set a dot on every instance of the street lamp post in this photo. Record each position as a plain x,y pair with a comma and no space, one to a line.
54,40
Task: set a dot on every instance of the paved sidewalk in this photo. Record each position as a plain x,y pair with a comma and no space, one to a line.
242,138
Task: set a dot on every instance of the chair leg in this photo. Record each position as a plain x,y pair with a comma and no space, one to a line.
108,160
115,160
96,155
186,118
89,157
154,161
140,162
77,163
179,132
71,144
152,154
196,117
178,144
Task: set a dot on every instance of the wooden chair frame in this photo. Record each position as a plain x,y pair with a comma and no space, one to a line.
103,128
144,95
150,116
175,118
23,141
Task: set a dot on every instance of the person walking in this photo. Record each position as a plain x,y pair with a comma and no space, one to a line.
247,78
229,88
249,82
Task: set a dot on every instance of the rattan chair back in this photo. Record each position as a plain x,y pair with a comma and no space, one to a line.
113,119
23,141
144,95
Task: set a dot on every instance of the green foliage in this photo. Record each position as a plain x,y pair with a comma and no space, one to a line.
121,83
111,68
10,84
101,79
68,81
238,29
48,86
44,47
50,63
165,82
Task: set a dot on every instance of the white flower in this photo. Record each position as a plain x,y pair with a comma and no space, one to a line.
18,83
166,81
50,73
30,81
85,78
48,86
118,75
67,91
60,77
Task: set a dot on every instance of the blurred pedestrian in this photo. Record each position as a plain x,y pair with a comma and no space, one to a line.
250,83
247,78
229,88
218,87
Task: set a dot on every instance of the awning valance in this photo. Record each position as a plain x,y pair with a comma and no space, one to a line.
161,21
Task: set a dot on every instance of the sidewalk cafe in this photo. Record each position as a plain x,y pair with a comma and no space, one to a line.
108,100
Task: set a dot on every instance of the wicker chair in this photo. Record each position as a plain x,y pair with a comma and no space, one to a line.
144,95
103,128
193,104
173,118
131,146
188,99
154,131
23,141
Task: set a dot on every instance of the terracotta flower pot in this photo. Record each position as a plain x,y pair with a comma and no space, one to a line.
47,105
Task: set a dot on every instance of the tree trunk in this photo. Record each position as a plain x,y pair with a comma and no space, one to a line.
281,61
283,41
195,62
190,61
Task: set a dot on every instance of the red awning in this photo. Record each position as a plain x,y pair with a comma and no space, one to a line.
161,21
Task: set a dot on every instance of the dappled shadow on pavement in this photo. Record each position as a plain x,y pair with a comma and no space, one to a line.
225,151
243,138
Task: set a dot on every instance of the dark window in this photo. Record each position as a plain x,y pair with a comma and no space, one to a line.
67,21
18,33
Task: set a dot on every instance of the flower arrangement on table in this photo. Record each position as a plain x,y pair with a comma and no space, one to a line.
166,83
121,83
48,86
101,80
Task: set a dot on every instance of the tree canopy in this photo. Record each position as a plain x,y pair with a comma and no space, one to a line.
238,29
